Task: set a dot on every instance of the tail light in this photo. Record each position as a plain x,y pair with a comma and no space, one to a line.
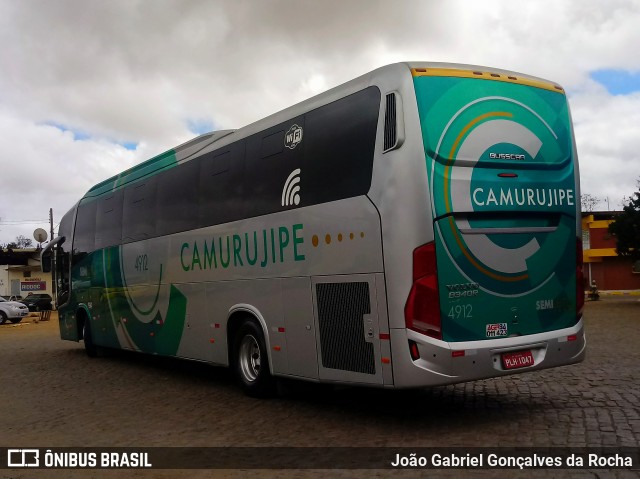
579,280
422,311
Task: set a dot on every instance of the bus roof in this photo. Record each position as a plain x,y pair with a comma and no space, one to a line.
206,141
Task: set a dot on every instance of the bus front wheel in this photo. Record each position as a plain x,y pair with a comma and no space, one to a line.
251,360
89,347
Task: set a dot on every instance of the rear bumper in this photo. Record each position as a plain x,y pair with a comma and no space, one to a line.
481,359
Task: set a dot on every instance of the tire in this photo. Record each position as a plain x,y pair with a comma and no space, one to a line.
89,347
3,317
14,320
251,361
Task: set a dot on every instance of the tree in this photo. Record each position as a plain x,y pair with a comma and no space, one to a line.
588,202
20,243
23,242
626,228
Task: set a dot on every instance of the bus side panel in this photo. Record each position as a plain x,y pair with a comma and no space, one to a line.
198,337
300,327
399,190
68,324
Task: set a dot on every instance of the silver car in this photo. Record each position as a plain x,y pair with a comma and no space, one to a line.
12,310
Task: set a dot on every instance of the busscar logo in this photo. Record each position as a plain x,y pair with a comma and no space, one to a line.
293,137
291,190
23,458
506,156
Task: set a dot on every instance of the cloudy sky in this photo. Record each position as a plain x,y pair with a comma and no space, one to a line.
89,88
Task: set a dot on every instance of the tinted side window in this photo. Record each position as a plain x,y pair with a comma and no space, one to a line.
268,164
65,228
139,211
84,237
177,199
339,142
220,190
109,220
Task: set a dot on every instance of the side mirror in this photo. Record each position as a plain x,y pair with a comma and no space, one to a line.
47,252
45,263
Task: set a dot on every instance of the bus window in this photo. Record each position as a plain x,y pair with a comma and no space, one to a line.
139,211
109,220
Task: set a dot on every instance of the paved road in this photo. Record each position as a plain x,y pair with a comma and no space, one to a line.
53,395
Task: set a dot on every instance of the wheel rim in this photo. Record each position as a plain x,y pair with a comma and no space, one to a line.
249,358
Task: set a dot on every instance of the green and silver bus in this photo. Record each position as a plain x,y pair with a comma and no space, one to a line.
416,226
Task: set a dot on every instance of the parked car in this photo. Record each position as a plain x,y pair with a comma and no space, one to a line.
14,311
38,302
13,298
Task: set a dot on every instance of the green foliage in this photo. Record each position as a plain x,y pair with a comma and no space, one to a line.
626,228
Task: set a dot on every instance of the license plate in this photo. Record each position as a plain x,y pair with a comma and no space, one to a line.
520,359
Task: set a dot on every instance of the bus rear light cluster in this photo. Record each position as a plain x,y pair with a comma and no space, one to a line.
422,310
579,280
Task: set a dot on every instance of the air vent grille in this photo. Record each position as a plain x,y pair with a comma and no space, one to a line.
341,310
390,123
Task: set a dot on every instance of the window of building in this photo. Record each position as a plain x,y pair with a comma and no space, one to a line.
586,239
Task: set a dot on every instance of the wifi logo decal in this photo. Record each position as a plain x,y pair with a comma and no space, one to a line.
290,192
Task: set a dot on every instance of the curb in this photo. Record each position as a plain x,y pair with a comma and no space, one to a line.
618,293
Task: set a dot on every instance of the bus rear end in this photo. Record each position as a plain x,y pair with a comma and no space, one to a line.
499,290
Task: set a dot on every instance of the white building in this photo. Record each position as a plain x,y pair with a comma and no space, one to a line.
20,273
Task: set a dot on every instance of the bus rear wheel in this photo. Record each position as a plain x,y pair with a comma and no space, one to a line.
251,361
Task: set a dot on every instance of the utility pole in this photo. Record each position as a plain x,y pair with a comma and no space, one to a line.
53,261
51,222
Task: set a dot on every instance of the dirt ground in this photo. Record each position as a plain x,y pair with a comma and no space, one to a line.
53,395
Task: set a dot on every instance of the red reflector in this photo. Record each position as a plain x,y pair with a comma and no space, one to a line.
457,354
413,349
386,361
385,336
281,330
572,337
507,175
211,340
277,348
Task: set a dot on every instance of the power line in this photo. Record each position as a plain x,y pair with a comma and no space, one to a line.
21,222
